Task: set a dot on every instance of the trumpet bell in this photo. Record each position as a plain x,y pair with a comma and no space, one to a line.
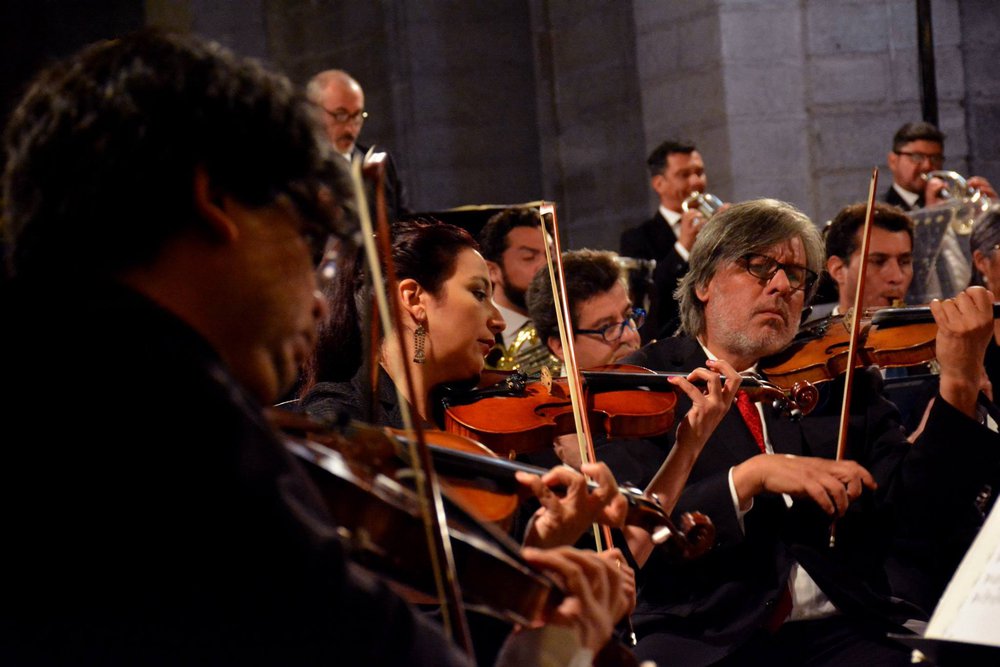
973,203
705,202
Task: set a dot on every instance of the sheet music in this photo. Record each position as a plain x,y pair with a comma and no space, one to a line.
970,607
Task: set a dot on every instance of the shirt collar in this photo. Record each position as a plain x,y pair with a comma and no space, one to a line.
909,197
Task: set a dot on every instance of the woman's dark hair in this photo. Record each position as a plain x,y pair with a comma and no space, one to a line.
423,249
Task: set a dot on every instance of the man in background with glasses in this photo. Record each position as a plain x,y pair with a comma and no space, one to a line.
772,591
918,149
605,325
341,104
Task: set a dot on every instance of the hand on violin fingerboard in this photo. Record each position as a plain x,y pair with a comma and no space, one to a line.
708,406
965,325
562,519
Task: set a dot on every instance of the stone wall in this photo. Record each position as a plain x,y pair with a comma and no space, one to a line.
515,100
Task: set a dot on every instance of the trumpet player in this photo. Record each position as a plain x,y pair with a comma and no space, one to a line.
917,150
917,153
677,173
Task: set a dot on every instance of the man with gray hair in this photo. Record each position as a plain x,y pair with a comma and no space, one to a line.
341,103
773,591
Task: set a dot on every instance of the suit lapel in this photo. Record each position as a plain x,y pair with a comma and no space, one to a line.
663,236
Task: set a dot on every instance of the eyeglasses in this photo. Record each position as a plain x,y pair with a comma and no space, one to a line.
345,116
328,259
765,268
936,159
613,332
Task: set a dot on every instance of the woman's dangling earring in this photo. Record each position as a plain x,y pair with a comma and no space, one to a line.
419,340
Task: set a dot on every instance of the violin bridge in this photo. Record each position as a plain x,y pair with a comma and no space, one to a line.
545,377
848,321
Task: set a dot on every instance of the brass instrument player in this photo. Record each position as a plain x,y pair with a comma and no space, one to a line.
511,243
918,151
676,171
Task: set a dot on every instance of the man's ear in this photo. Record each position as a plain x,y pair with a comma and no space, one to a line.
701,291
656,182
411,299
980,261
496,275
892,160
555,344
837,268
211,207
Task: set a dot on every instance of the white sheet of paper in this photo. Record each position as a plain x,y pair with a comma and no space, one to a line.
969,610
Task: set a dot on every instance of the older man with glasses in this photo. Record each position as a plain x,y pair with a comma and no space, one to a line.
340,101
773,591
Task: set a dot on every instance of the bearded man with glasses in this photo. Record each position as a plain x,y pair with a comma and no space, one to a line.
772,591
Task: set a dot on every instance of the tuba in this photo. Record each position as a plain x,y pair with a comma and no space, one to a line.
972,202
705,202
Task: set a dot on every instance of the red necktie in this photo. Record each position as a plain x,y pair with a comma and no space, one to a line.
752,418
783,605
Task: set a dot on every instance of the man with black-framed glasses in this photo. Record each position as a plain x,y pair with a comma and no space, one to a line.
340,103
772,591
605,324
917,150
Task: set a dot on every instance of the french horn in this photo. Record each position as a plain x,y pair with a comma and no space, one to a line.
973,202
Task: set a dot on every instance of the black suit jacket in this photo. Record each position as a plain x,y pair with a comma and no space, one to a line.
395,192
654,239
890,196
695,613
151,516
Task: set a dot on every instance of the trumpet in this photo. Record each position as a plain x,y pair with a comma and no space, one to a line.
973,201
705,202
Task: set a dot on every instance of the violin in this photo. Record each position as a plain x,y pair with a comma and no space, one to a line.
483,483
380,522
890,338
516,416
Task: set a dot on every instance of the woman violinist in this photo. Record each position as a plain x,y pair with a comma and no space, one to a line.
444,293
450,321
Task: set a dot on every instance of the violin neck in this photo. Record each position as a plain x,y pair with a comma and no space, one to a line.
885,318
499,472
598,381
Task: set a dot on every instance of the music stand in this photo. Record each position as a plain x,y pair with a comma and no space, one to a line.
929,227
473,217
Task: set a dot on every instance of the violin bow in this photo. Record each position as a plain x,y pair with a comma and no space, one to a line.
855,333
564,318
557,279
428,489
